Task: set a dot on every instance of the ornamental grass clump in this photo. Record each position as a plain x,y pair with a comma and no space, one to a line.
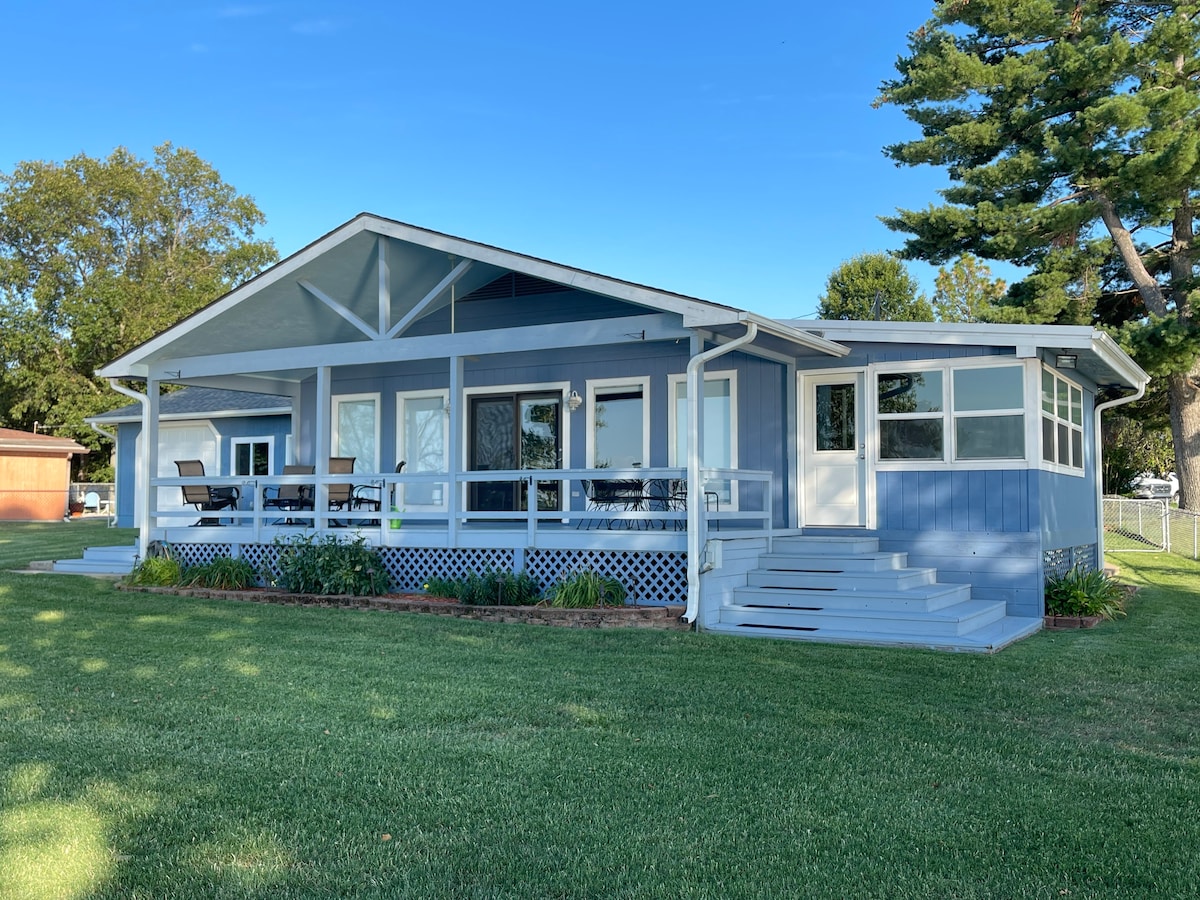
156,571
1081,592
222,574
586,589
308,564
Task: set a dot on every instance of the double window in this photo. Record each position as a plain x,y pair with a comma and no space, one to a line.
952,414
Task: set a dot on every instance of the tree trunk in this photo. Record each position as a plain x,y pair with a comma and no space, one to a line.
1185,430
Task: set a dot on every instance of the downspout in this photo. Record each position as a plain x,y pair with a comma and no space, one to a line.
1100,409
141,493
695,494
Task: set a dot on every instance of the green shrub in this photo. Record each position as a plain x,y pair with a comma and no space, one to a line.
586,589
489,589
222,574
1084,593
159,569
308,564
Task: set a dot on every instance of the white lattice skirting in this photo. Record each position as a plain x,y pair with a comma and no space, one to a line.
651,577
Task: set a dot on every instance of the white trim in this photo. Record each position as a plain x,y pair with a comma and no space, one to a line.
267,439
643,382
334,401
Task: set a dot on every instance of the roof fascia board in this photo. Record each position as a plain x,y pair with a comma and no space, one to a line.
631,329
1120,361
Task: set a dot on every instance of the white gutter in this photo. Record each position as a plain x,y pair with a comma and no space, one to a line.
141,496
1100,409
695,493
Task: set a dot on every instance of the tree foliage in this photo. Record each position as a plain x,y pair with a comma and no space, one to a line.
854,288
966,292
98,255
1070,130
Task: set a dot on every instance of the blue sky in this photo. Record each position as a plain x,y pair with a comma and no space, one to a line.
725,151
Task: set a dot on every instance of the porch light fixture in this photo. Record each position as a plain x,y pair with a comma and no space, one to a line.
574,401
1065,360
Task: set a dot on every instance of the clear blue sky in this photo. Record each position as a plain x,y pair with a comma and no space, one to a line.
727,151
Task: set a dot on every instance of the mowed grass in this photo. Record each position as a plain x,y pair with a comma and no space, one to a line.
162,747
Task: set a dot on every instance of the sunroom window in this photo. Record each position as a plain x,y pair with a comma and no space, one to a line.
1062,422
911,415
989,413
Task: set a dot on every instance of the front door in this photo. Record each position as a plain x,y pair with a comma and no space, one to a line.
515,431
834,464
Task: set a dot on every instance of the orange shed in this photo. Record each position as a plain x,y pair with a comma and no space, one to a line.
35,475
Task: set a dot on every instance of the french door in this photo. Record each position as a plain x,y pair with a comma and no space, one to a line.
515,431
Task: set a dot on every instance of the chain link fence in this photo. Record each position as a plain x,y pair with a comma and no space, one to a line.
1150,526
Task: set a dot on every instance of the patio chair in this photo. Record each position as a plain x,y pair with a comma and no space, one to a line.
341,496
611,494
290,497
203,497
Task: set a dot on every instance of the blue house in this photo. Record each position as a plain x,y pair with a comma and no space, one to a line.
870,482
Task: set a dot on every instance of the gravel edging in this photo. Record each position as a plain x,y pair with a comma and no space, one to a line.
661,617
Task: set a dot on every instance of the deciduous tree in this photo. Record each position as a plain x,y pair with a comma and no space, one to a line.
98,255
966,292
873,286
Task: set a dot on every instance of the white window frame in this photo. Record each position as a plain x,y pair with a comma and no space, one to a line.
1032,429
1055,466
235,442
955,415
607,384
673,450
563,388
402,397
360,466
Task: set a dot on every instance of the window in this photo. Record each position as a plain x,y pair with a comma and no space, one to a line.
911,415
720,427
423,440
356,430
252,456
952,414
1062,422
989,413
618,423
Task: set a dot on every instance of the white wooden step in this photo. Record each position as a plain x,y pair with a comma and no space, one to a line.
987,639
950,621
887,579
923,598
837,562
825,546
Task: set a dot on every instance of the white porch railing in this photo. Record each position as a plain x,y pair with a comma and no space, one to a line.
389,506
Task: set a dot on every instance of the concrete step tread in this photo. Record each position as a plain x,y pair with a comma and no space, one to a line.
836,562
866,578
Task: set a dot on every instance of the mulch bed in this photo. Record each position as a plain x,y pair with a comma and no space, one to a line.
663,617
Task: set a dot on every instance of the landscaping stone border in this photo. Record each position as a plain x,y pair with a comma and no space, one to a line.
661,617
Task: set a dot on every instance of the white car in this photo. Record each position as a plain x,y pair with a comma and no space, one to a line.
1149,487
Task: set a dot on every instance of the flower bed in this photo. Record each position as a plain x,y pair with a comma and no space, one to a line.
665,617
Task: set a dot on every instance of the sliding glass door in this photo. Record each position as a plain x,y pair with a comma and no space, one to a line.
515,431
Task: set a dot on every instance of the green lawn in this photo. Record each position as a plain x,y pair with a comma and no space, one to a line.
156,748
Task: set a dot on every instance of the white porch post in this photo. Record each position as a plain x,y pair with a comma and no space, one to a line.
454,488
322,438
791,443
150,449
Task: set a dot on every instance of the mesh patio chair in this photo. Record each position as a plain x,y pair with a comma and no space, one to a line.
291,497
203,497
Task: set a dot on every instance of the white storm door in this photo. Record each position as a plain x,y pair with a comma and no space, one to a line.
834,467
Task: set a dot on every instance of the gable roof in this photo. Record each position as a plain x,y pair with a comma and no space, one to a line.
13,440
419,271
202,402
